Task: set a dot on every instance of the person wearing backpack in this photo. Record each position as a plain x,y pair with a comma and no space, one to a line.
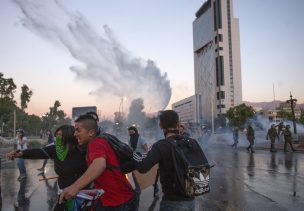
174,196
118,192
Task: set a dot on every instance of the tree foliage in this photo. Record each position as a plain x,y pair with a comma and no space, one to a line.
30,123
25,96
238,115
55,117
285,115
301,120
7,102
7,87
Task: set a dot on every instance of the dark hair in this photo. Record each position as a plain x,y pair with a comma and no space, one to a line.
168,119
68,138
89,121
94,115
133,128
21,131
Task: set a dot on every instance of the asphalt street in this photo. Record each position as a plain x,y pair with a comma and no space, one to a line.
239,181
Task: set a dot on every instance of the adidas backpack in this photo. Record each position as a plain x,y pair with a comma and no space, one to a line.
191,167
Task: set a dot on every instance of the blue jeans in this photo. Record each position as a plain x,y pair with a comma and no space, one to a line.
177,205
21,166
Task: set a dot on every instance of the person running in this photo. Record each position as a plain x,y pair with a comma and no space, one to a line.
250,138
235,133
118,192
288,137
272,135
161,153
69,159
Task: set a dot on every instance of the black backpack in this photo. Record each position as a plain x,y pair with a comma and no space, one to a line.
191,167
123,152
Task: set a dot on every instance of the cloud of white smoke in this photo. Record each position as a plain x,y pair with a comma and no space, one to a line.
106,62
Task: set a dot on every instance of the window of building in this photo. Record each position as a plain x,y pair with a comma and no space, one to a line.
221,65
220,95
221,106
219,61
219,15
220,38
214,16
217,75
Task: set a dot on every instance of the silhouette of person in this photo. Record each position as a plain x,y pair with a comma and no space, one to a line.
235,133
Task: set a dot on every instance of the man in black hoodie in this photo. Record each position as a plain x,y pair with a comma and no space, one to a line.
161,153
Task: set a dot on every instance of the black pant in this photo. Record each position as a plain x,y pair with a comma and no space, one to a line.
128,206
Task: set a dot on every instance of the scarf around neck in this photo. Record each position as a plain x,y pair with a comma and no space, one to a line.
61,150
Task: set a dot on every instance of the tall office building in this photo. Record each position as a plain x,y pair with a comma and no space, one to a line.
217,63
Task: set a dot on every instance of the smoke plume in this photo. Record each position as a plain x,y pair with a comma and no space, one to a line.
136,115
106,62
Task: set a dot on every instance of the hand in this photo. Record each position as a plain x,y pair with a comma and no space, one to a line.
68,193
13,154
10,155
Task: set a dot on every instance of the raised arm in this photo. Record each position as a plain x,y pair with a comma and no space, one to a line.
152,158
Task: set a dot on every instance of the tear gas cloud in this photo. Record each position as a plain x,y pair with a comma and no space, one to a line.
105,61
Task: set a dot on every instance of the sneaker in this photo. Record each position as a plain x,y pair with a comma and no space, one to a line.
21,177
41,169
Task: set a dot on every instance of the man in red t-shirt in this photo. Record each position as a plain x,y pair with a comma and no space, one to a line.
119,194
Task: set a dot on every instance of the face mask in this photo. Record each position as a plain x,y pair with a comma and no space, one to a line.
61,150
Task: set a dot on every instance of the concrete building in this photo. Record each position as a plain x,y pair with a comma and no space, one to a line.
188,109
217,63
77,111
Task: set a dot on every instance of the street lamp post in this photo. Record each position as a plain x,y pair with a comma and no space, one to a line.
14,123
212,114
212,107
293,102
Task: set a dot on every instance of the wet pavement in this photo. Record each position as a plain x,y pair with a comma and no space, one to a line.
239,181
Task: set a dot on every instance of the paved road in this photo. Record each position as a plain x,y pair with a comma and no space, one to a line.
239,181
